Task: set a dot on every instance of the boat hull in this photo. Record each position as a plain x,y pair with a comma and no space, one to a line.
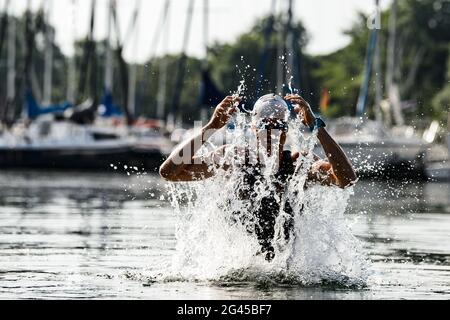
80,158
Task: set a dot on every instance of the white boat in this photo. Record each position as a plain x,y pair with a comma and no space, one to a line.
47,143
439,169
376,150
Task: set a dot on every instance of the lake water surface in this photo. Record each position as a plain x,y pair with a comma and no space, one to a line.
96,235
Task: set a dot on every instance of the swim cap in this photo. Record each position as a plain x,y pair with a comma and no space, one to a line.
270,106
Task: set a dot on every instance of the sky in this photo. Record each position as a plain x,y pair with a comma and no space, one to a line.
325,20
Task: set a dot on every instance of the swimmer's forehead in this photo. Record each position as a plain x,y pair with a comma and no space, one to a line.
270,106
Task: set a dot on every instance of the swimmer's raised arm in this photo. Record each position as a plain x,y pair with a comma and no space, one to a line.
342,173
182,164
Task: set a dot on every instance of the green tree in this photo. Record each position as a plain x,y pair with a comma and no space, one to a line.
422,51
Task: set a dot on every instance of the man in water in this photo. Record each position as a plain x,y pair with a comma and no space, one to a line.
269,115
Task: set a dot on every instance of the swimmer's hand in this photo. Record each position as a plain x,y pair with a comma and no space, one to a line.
302,108
223,112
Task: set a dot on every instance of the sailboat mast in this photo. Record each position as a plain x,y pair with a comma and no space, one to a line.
162,79
4,24
109,65
291,47
93,57
203,111
391,85
205,29
133,70
123,67
377,67
391,45
369,59
181,67
48,62
29,42
280,52
267,32
87,81
71,85
11,75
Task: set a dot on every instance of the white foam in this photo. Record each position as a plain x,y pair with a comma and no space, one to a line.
211,248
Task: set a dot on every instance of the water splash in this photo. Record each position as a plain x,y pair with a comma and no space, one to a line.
291,90
239,91
213,244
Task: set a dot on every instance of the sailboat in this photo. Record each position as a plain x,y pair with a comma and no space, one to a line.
439,169
71,136
209,93
375,148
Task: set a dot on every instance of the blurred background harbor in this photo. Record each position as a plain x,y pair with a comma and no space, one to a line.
96,93
385,93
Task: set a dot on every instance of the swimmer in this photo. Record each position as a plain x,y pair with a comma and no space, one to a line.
269,115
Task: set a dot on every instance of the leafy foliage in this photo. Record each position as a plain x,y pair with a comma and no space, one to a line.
422,60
